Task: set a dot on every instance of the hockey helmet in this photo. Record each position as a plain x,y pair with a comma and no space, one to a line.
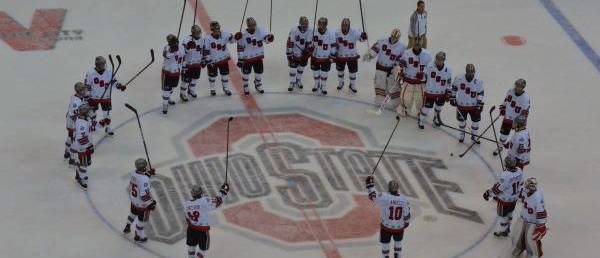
510,163
100,63
80,88
440,57
303,23
520,122
345,25
196,31
531,184
393,186
520,86
196,191
395,35
141,164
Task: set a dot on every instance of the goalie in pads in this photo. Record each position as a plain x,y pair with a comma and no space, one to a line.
197,214
395,215
388,52
413,65
531,226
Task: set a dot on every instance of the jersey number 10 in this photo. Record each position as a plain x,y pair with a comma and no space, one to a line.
395,213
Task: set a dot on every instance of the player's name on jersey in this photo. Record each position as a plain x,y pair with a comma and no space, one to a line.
314,176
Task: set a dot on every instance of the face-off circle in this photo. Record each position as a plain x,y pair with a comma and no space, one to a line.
296,172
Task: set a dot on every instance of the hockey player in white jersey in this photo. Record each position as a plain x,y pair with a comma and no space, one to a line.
217,57
413,64
395,215
193,62
298,52
506,192
515,104
347,53
82,144
250,47
141,199
323,51
98,81
388,52
198,217
519,145
78,99
438,89
172,59
531,226
467,97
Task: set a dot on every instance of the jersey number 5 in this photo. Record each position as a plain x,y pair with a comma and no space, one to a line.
134,190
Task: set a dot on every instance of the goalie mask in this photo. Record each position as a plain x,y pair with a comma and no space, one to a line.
100,64
395,36
196,192
141,164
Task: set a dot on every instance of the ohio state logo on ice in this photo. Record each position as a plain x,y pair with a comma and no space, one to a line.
315,169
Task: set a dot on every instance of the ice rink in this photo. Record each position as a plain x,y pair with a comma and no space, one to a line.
297,161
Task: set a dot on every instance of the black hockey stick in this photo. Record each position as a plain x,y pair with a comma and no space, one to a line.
141,132
112,76
315,21
464,131
480,135
227,152
362,19
143,69
386,145
181,19
195,8
497,143
244,15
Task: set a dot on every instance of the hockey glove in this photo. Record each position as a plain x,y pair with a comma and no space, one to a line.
151,171
240,63
238,36
453,102
370,182
270,38
120,86
363,36
486,195
152,205
502,110
224,189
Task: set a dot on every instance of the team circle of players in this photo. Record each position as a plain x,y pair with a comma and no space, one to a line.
410,80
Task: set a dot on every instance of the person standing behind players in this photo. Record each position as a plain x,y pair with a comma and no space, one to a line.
505,192
515,104
395,215
388,52
418,26
141,200
83,144
193,62
413,64
78,99
519,145
323,51
298,51
438,89
531,226
467,97
217,57
98,81
251,52
347,53
173,56
197,215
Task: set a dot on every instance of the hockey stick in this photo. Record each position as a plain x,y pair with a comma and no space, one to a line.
496,137
227,153
141,132
381,107
244,15
386,145
270,16
181,19
143,69
112,76
314,22
469,133
362,19
480,135
195,8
